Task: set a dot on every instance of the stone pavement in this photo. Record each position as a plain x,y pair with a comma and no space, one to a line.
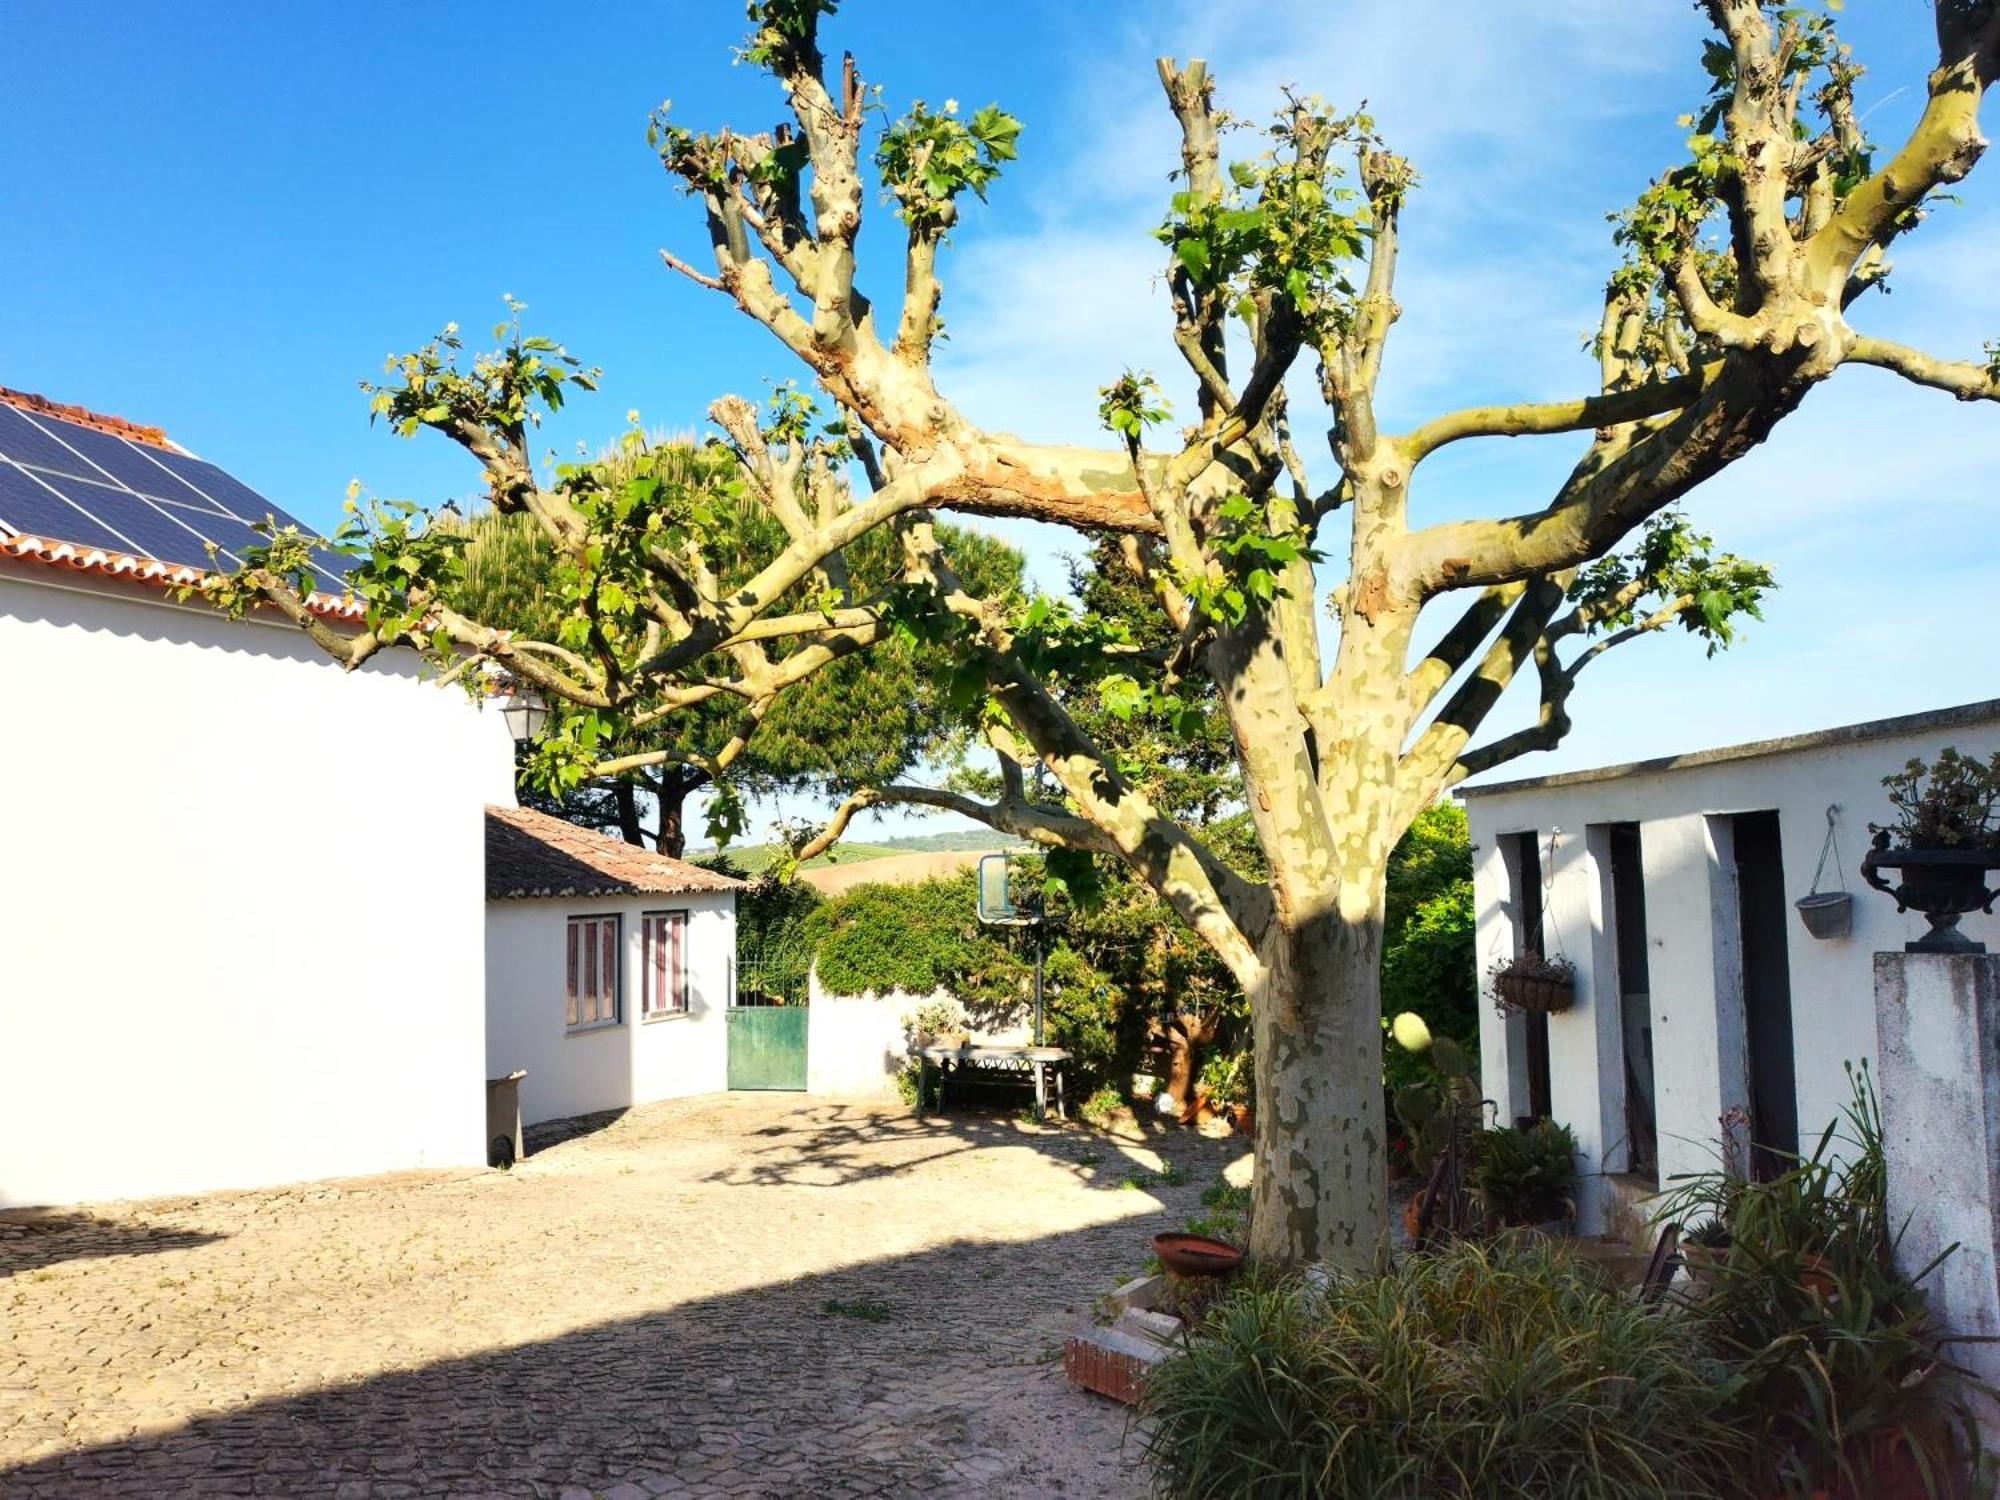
739,1295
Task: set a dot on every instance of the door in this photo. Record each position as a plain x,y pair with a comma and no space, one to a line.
1765,914
1635,1004
1527,866
767,1046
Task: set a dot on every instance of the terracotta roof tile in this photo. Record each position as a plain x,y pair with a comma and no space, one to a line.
532,854
164,575
83,416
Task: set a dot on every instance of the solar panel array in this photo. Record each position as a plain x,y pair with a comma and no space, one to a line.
64,481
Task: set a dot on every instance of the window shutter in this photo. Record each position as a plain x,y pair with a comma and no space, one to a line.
679,994
570,1009
607,1002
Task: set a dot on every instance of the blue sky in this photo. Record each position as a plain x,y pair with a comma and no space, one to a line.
218,219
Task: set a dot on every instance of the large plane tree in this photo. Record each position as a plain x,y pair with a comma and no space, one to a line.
1294,592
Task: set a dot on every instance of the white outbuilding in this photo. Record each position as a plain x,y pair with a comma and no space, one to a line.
610,969
242,889
1701,997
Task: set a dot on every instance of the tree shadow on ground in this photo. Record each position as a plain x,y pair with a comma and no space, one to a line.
34,1238
934,1373
831,1145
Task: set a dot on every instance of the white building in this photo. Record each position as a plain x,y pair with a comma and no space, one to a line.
1671,885
241,890
610,970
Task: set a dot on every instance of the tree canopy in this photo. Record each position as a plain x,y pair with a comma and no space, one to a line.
1735,288
862,720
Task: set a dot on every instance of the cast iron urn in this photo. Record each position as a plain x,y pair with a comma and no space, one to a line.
1943,884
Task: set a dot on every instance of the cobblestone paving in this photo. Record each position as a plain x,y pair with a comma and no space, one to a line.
740,1295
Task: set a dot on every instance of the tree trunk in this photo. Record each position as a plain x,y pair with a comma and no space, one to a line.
673,796
1186,1036
1321,1189
627,798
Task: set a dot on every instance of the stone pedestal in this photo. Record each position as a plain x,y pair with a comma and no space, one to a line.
1937,1021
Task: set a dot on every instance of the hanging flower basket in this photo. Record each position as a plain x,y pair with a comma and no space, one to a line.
1528,983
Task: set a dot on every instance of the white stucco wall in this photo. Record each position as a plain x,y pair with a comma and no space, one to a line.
242,895
857,1044
609,1067
1691,914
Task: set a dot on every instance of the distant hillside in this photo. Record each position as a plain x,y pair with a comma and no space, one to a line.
757,857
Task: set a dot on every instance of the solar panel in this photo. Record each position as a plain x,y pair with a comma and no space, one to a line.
64,481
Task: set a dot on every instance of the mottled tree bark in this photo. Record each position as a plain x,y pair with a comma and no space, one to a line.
1321,1188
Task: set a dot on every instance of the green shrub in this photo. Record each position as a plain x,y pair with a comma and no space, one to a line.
1229,1077
1478,1372
1526,1176
1429,964
927,936
1834,1347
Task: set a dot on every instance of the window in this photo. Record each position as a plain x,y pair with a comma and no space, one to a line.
663,976
593,973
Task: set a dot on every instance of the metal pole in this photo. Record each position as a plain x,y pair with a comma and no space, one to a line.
1038,984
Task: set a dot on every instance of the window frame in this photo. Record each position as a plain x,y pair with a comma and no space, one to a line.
572,995
678,982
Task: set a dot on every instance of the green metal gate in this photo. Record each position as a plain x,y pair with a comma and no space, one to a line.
767,1047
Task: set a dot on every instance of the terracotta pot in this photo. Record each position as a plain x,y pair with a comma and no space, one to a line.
1196,1255
1886,1469
1241,1117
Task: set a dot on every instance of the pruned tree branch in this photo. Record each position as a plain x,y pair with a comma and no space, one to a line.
1968,382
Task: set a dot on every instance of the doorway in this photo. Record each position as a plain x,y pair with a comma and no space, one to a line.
1526,869
1763,914
1635,1000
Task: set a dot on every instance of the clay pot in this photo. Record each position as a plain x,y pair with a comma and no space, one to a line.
1196,1255
1886,1469
1241,1117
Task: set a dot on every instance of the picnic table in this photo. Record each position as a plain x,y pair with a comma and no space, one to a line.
1041,1066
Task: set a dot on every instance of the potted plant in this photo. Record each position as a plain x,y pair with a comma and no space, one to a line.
1944,837
1226,1085
940,1023
1441,1115
1706,1247
1529,982
1526,1178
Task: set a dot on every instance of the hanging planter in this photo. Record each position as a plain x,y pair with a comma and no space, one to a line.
1531,982
1528,983
1827,914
